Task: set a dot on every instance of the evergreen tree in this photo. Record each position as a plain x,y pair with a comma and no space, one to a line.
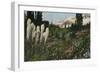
38,18
35,16
79,19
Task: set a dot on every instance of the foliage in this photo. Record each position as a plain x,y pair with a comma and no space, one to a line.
62,43
79,19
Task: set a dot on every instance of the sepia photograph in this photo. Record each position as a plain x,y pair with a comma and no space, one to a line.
56,36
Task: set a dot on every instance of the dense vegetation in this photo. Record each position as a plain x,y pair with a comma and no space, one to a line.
62,43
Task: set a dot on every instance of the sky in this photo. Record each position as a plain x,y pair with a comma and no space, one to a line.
56,17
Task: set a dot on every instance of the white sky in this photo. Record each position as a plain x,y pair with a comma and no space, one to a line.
56,17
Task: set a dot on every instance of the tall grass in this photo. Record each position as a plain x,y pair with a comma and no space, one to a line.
62,43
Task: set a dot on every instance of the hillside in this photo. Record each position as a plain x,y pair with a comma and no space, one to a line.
62,43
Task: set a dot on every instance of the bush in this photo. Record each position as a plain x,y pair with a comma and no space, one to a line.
59,41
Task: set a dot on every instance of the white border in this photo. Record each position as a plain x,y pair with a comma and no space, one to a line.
18,34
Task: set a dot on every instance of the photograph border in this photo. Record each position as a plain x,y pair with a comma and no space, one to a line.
16,61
